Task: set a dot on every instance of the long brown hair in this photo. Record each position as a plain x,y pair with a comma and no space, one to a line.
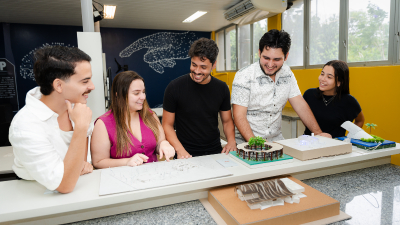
342,75
120,109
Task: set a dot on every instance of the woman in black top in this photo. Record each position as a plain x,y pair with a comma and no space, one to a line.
331,102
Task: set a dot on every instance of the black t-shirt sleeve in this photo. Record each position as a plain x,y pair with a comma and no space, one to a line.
354,107
170,103
226,103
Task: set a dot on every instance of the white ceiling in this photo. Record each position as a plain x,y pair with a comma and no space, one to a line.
143,14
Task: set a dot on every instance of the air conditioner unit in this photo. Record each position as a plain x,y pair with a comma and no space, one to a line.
249,11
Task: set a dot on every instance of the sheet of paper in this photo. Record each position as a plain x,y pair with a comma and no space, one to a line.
226,162
355,131
159,174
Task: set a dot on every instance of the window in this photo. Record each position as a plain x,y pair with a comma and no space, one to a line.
259,29
356,31
359,32
244,46
293,23
368,30
238,45
324,31
230,50
221,54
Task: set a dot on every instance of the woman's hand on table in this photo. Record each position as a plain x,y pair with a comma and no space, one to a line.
166,150
137,159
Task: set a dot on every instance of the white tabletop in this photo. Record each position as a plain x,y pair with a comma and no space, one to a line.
6,160
26,199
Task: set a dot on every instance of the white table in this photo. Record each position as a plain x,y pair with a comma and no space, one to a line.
25,201
6,160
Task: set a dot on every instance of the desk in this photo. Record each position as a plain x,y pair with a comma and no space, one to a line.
6,160
292,126
27,203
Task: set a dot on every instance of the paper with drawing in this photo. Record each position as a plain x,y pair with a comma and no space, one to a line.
159,174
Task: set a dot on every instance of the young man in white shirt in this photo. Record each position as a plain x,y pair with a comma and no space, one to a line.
261,90
48,135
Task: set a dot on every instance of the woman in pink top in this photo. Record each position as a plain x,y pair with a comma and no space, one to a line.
130,134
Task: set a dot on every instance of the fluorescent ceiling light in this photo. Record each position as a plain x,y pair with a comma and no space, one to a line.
194,16
109,11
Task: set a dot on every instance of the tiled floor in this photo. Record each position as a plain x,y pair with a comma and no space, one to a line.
191,212
371,196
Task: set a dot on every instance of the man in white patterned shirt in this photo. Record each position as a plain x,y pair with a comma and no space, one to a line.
261,90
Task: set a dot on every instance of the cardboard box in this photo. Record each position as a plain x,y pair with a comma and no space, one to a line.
315,206
327,147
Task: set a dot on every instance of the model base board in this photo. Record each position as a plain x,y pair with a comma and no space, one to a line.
159,174
316,206
258,164
370,146
269,193
322,147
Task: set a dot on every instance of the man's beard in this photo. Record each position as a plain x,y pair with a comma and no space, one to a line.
205,76
262,68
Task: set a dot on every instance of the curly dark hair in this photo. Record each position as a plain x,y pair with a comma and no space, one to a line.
54,62
275,39
205,49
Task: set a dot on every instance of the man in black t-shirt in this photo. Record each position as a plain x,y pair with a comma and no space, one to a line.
193,102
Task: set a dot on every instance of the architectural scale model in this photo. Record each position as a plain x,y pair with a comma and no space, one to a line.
308,147
256,153
159,174
268,152
265,194
374,143
361,139
256,150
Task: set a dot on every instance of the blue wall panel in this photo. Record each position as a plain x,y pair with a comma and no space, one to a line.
159,56
2,50
25,39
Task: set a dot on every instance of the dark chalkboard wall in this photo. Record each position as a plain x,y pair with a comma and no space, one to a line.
2,50
156,52
159,56
25,39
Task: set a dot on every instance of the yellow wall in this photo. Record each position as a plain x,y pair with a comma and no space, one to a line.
275,22
375,88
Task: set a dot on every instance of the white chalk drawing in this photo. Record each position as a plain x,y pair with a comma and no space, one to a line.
26,66
159,174
163,49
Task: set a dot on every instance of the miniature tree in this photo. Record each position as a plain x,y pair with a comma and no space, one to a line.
256,141
252,141
260,142
371,125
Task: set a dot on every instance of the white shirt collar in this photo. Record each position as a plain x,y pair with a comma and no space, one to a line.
37,107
